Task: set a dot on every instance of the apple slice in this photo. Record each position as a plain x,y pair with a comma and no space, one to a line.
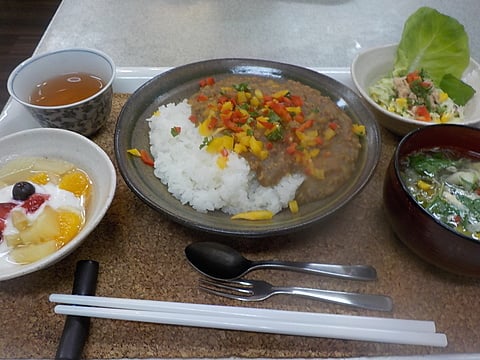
45,227
33,252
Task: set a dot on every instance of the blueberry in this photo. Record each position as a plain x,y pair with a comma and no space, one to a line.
22,190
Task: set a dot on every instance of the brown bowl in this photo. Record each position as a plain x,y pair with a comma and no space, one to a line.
427,237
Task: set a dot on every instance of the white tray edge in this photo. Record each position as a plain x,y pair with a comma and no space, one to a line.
14,117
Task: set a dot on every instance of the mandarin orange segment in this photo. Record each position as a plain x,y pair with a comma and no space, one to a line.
40,178
76,182
70,224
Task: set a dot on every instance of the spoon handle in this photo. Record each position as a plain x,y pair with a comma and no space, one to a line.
353,272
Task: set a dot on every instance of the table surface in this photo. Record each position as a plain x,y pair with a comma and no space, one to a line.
141,252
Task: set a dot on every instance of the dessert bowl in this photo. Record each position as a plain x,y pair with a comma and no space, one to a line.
74,148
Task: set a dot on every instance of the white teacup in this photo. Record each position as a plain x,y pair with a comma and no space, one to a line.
85,116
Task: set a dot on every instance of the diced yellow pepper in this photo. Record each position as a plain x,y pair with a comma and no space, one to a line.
222,162
294,109
329,133
205,128
314,153
318,173
226,107
401,102
280,94
219,143
239,148
241,97
261,119
244,112
256,146
258,94
359,129
293,206
445,118
263,154
134,152
443,96
255,102
424,185
254,215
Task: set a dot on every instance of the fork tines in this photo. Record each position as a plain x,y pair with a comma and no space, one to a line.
233,289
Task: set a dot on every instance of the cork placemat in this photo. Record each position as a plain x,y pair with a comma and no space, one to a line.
141,255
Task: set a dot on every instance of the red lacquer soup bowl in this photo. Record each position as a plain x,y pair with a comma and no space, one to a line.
425,235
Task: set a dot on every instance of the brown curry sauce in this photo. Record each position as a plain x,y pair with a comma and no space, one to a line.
300,130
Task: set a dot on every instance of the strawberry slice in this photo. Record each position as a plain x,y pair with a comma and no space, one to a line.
5,209
34,202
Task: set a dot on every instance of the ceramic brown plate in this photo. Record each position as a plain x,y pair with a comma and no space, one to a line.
181,82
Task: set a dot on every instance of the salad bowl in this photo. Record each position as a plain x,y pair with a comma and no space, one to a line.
376,63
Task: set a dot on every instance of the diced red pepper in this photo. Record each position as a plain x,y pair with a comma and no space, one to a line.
266,124
202,97
285,100
299,118
146,158
213,123
267,99
307,124
414,75
224,152
222,99
296,100
333,125
193,119
426,84
207,81
281,111
292,148
231,125
422,114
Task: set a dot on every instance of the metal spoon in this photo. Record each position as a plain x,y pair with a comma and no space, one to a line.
221,262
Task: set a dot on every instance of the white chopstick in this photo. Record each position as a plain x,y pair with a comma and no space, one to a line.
250,319
217,310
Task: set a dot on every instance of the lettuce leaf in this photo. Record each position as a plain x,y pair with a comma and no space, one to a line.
434,42
438,44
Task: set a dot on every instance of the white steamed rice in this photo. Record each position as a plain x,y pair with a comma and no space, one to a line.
193,177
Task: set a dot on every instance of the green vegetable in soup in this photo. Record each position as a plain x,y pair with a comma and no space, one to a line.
447,185
439,44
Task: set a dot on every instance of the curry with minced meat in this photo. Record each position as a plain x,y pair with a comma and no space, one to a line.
280,127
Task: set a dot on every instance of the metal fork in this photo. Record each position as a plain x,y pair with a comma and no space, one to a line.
257,290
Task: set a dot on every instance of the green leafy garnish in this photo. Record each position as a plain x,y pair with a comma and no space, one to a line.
276,134
429,164
458,91
205,142
242,87
175,131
